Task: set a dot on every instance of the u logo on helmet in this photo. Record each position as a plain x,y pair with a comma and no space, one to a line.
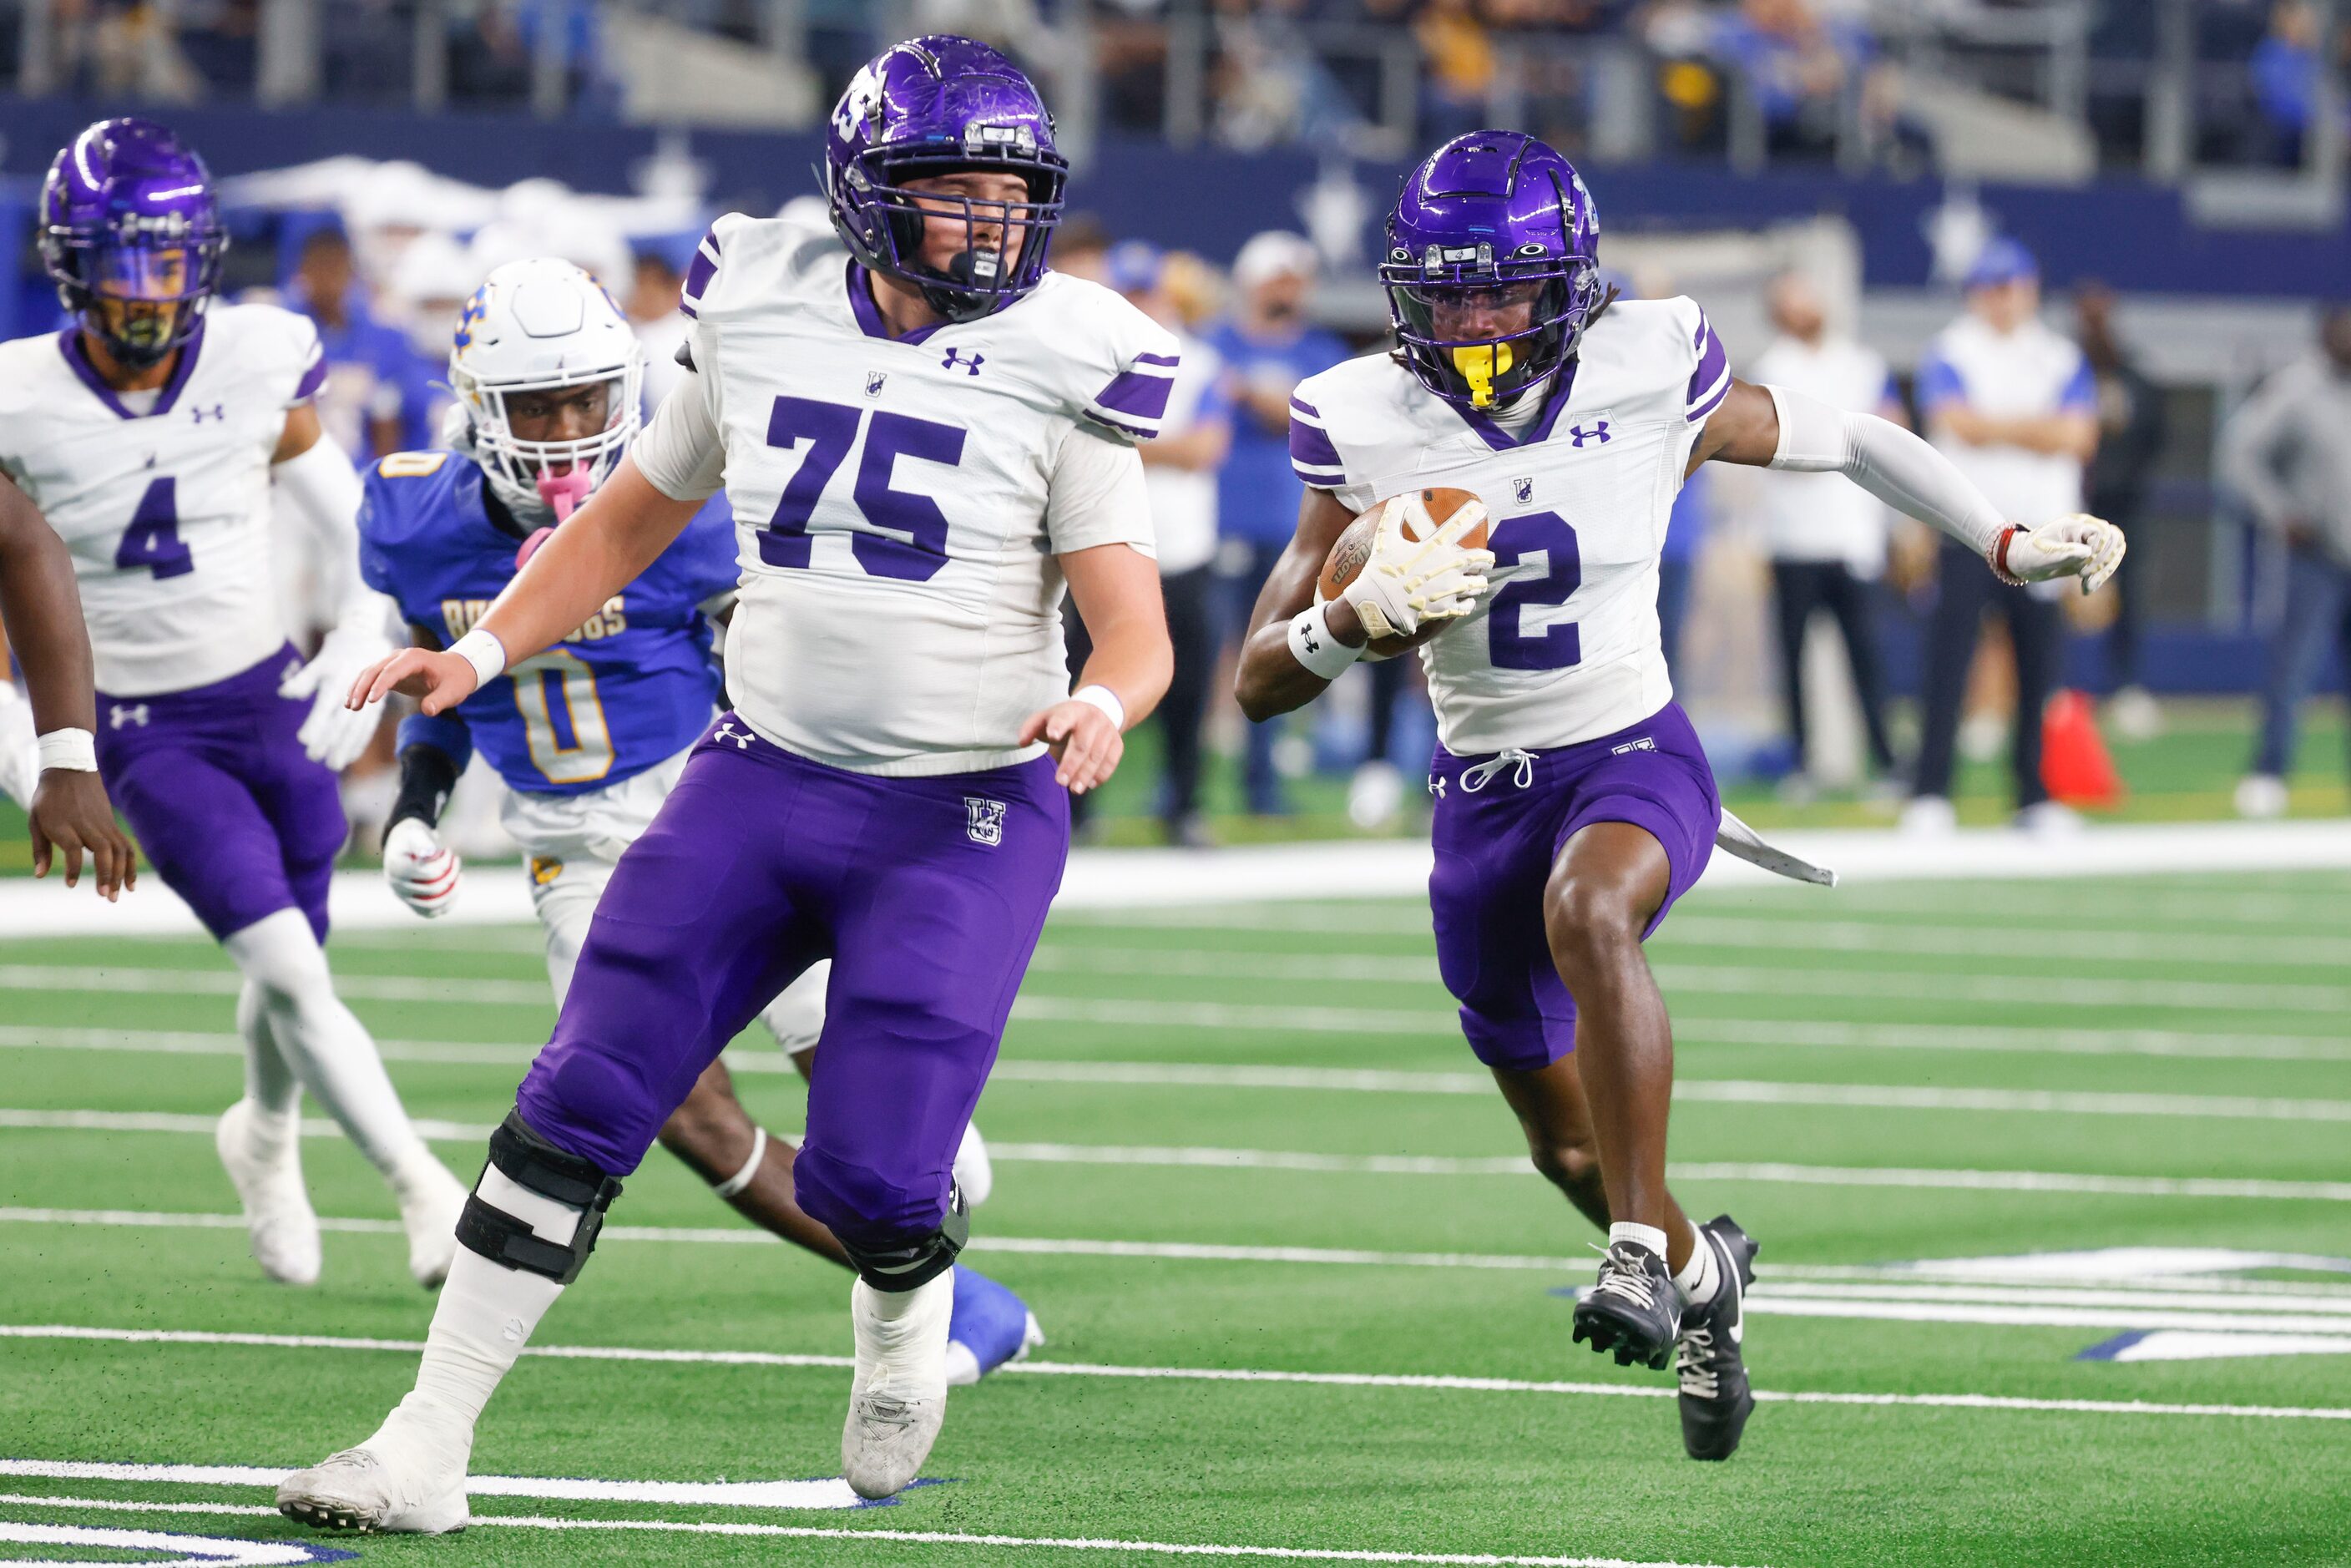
477,309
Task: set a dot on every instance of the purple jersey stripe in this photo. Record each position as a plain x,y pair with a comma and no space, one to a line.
1700,411
1135,431
688,311
1713,361
1309,447
1137,394
705,263
312,379
1299,405
1169,361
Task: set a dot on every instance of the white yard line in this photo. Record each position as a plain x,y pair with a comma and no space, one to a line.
83,1536
824,1494
1432,1383
1812,936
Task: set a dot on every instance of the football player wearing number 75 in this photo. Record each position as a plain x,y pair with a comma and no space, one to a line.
1573,804
151,432
924,436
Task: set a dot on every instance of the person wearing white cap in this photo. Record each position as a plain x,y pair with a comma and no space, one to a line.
2012,403
1268,346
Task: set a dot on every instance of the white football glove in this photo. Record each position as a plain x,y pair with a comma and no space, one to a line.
420,869
2079,546
333,734
1407,583
20,748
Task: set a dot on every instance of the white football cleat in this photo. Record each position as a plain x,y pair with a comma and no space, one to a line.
974,1173
898,1397
361,1490
2262,796
1929,816
278,1219
429,1201
2049,819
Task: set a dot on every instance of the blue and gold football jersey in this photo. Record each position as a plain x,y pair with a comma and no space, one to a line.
633,686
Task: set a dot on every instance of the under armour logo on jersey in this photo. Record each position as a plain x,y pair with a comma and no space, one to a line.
873,380
983,820
969,367
1598,434
124,714
1524,489
727,731
217,410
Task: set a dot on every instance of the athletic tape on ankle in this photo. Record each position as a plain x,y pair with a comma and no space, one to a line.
742,1178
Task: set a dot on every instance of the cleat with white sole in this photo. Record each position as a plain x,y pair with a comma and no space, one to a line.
898,1395
278,1219
358,1489
430,1202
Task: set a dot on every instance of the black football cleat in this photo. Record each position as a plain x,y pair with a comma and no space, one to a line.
1714,1398
1634,1311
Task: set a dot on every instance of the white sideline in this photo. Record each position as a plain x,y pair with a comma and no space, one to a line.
1436,1383
1123,879
794,1532
1838,1034
827,1494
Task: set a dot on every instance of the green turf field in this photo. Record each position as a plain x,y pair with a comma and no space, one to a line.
1248,1141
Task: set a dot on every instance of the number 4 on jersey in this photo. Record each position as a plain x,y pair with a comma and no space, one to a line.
153,541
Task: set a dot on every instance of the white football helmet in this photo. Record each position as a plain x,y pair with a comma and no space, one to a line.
544,325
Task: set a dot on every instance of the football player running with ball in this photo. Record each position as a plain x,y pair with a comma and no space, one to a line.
1573,804
151,431
924,436
591,735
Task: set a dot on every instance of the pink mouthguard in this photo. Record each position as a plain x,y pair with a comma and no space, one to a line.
562,493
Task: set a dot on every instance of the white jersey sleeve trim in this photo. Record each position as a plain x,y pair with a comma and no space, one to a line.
1709,383
682,453
1097,495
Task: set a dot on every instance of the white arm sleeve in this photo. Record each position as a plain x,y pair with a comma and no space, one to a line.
682,453
1888,462
324,490
1097,495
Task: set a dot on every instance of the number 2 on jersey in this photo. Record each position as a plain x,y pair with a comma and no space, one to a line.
153,541
1510,644
827,431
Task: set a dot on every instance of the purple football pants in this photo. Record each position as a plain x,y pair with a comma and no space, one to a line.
226,803
1499,825
927,895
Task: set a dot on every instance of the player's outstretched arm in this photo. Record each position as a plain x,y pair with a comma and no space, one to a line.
42,608
1772,427
622,529
1269,680
1117,589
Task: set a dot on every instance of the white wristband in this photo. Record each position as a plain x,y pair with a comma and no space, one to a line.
1312,644
74,750
1104,698
483,651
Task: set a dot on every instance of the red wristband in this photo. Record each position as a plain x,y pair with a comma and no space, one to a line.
1998,556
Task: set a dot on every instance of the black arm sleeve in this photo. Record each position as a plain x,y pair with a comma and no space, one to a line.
426,776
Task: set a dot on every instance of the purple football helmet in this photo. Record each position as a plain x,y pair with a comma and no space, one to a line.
1492,220
942,105
128,217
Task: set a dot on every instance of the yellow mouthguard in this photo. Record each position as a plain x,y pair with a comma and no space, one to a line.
1481,365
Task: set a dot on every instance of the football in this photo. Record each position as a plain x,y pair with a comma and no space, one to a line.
1424,512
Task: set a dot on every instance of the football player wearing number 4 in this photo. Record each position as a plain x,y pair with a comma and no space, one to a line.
589,736
924,437
151,431
1573,804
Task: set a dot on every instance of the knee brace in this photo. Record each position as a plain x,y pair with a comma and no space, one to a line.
533,1164
918,1263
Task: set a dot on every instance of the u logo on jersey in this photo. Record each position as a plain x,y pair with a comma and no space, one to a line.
969,367
983,820
1523,489
873,380
1597,433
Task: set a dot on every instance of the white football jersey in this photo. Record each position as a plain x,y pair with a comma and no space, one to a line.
1565,647
167,510
893,498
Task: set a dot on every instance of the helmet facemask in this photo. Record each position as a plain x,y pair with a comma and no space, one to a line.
1480,333
1005,242
536,477
140,286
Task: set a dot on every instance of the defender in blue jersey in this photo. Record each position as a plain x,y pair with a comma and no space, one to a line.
589,736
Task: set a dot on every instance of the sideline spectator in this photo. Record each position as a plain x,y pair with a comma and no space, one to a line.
2130,440
364,402
2288,453
1268,346
1180,470
1826,538
657,275
2012,403
2286,67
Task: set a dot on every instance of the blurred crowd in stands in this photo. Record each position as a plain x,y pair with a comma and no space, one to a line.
1819,79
